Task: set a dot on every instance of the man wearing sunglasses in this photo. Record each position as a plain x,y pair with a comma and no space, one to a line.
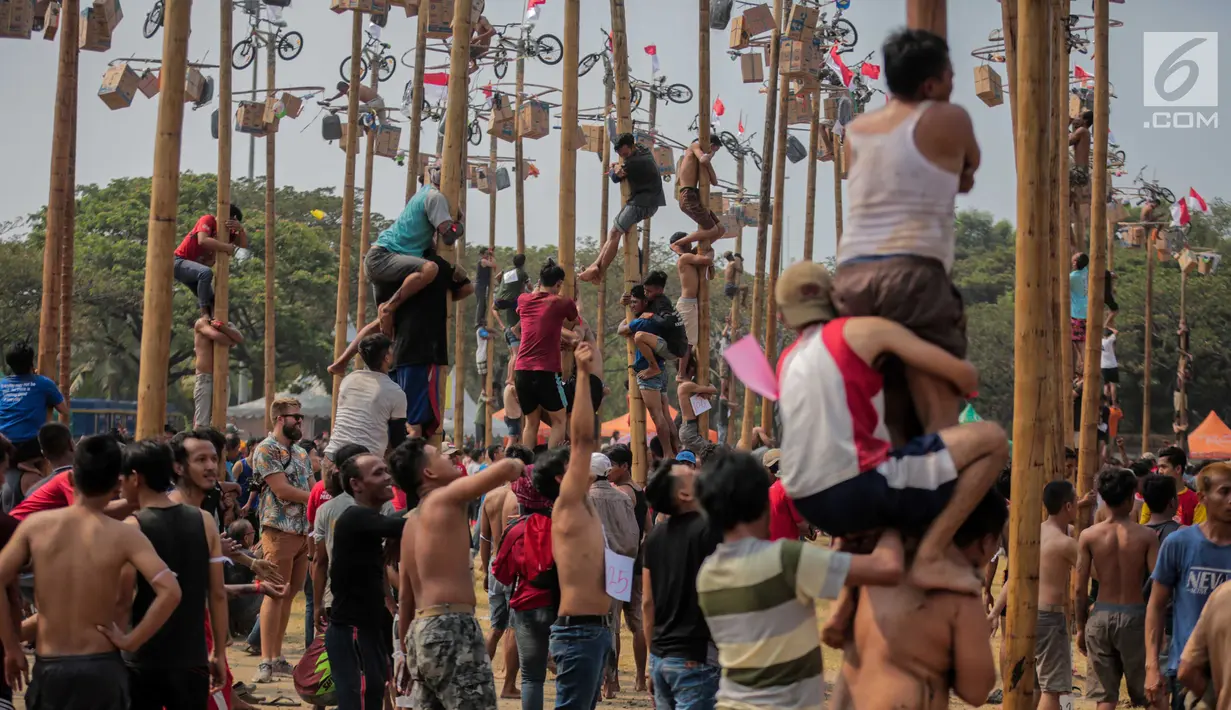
280,469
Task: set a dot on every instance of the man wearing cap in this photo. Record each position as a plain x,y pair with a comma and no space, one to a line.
396,263
623,536
837,461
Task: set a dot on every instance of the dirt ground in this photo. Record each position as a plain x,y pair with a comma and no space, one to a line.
244,666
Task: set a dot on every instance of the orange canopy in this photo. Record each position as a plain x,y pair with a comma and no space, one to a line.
622,425
1211,440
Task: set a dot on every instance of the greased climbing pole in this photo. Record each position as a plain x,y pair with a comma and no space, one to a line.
222,262
490,403
164,201
416,108
519,152
64,379
814,130
271,250
624,124
567,224
365,227
703,135
604,206
342,312
775,249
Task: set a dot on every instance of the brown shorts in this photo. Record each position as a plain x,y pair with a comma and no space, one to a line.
690,205
1114,636
912,290
1053,653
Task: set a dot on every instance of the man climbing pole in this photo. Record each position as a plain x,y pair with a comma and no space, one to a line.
698,161
645,196
197,252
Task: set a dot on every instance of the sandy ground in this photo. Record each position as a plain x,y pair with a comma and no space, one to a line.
244,666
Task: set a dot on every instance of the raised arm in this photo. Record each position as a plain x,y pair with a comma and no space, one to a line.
576,483
469,488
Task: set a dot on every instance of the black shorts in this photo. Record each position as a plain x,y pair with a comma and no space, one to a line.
96,681
169,688
539,388
596,391
1111,375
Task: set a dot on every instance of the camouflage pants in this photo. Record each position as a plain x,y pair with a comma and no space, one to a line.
449,665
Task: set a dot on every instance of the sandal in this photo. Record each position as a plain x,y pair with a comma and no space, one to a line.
281,702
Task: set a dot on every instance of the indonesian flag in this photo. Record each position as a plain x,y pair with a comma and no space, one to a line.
838,66
435,87
872,71
487,91
741,124
1179,213
532,9
1082,74
652,50
1196,201
719,107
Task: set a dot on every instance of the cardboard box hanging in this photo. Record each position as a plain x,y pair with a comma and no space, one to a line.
119,86
111,10
292,105
988,86
799,109
439,18
758,19
803,22
791,60
750,68
664,158
51,21
505,130
147,84
595,134
194,85
94,35
271,115
340,6
484,180
533,121
16,18
250,118
386,142
739,36
502,107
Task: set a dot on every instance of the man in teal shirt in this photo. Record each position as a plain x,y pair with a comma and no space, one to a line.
1079,287
395,264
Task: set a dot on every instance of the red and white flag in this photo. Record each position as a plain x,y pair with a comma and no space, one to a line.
741,124
1196,201
652,50
870,70
532,9
838,66
435,87
1179,213
1086,77
719,107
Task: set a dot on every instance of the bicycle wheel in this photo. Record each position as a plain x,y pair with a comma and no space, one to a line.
845,32
756,159
679,93
1166,195
500,66
388,65
474,133
550,49
1118,156
587,63
634,100
243,54
344,69
153,20
730,142
290,46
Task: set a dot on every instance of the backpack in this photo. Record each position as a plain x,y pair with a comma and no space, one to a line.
536,551
313,677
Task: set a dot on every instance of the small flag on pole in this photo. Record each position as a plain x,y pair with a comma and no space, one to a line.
719,107
870,70
1179,213
741,124
435,87
1196,201
838,66
652,50
532,9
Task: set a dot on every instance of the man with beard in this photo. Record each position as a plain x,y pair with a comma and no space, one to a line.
357,639
444,644
282,471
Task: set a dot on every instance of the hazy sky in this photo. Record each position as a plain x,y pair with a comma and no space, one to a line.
117,144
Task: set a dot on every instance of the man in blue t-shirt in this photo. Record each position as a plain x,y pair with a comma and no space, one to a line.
1192,562
25,397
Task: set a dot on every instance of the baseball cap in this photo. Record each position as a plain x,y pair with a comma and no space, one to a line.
687,457
600,465
771,457
803,296
448,449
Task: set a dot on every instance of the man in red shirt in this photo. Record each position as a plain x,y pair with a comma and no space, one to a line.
537,378
57,493
195,255
785,522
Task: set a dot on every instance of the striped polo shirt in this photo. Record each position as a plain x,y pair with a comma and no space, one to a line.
759,602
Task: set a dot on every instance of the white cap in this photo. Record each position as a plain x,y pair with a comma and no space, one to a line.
600,465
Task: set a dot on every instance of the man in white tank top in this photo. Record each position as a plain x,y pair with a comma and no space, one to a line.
908,161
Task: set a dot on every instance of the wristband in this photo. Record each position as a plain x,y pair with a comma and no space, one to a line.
257,584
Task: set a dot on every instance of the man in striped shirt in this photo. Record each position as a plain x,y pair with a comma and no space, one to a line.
759,597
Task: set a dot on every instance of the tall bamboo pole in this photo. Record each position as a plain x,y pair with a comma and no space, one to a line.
735,325
271,248
256,74
567,221
1008,14
604,206
838,158
1030,441
490,405
645,226
1181,409
164,201
930,15
458,315
1147,347
810,195
365,227
65,374
519,152
60,191
222,263
767,147
1055,386
416,108
775,251
1062,259
703,136
342,310
624,124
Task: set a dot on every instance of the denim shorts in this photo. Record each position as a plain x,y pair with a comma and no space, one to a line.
657,383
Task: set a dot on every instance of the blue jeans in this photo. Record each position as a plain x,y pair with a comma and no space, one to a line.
357,663
531,631
580,653
197,277
254,636
683,685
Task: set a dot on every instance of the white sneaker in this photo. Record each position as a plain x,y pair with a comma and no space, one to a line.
264,673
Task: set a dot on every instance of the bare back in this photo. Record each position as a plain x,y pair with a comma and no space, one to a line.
1122,554
493,514
577,544
204,348
1080,140
436,554
689,168
1057,556
78,556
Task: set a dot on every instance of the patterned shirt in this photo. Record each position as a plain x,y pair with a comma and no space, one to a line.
759,602
271,457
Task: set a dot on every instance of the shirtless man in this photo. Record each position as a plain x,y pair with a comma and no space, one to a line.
580,638
480,42
369,99
912,646
205,334
695,160
444,644
690,266
690,432
491,532
732,273
1123,553
79,553
1079,177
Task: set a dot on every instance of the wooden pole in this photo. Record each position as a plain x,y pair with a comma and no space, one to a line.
930,15
416,109
735,324
222,263
604,206
519,152
365,227
1181,404
1008,14
703,282
459,319
342,310
1031,340
767,147
271,249
810,195
164,203
775,251
624,124
1062,342
488,389
60,191
645,226
65,374
838,158
1147,347
567,220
